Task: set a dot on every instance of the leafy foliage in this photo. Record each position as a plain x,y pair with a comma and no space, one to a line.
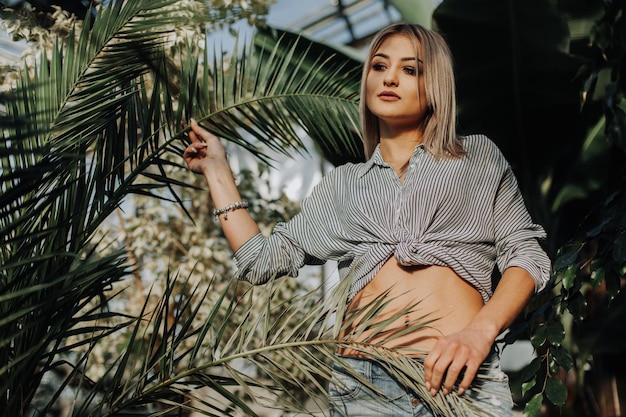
51,272
543,79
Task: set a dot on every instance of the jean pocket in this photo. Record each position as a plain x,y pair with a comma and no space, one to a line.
343,384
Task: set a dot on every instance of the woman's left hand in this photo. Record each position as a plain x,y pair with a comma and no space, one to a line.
460,354
454,356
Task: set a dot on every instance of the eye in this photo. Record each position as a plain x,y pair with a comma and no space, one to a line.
378,66
410,70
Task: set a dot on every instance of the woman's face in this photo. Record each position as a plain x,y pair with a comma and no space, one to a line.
394,91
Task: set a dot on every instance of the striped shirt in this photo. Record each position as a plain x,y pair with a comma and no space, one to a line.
467,214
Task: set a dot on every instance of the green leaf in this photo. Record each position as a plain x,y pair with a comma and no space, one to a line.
562,357
413,11
538,337
528,385
597,276
559,303
565,260
568,276
555,332
569,192
577,306
598,229
285,80
533,406
619,249
553,365
530,370
613,283
556,391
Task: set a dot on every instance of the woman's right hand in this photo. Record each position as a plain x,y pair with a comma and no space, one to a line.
205,155
205,149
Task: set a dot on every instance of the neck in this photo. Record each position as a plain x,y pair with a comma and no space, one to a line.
399,146
397,150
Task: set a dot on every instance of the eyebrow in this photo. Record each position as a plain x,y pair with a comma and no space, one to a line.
409,58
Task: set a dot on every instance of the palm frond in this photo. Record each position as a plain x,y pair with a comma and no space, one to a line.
65,168
202,366
267,89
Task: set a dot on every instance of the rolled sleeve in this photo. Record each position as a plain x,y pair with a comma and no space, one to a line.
263,258
524,251
517,237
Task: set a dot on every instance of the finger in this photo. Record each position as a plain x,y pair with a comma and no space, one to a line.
429,363
437,372
452,375
470,373
197,146
194,149
194,135
458,361
195,138
199,131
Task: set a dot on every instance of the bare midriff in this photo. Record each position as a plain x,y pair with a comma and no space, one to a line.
438,294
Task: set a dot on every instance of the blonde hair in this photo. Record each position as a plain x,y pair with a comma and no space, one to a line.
440,137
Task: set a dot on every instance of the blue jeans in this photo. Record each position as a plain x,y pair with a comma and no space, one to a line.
490,393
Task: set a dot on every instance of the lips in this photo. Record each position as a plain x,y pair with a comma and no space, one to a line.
388,95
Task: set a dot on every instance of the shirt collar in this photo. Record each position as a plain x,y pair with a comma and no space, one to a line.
377,159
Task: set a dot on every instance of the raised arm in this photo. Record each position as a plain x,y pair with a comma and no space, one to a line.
206,155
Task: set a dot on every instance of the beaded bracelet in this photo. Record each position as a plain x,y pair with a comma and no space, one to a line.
231,207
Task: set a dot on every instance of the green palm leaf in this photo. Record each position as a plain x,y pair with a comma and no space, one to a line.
279,82
65,162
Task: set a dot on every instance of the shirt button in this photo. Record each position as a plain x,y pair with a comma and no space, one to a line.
415,402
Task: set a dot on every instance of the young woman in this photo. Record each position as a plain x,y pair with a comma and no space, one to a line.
427,217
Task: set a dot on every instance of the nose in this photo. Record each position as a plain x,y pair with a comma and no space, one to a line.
390,80
391,77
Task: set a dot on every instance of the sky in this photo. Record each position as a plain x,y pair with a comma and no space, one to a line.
290,11
366,17
283,14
